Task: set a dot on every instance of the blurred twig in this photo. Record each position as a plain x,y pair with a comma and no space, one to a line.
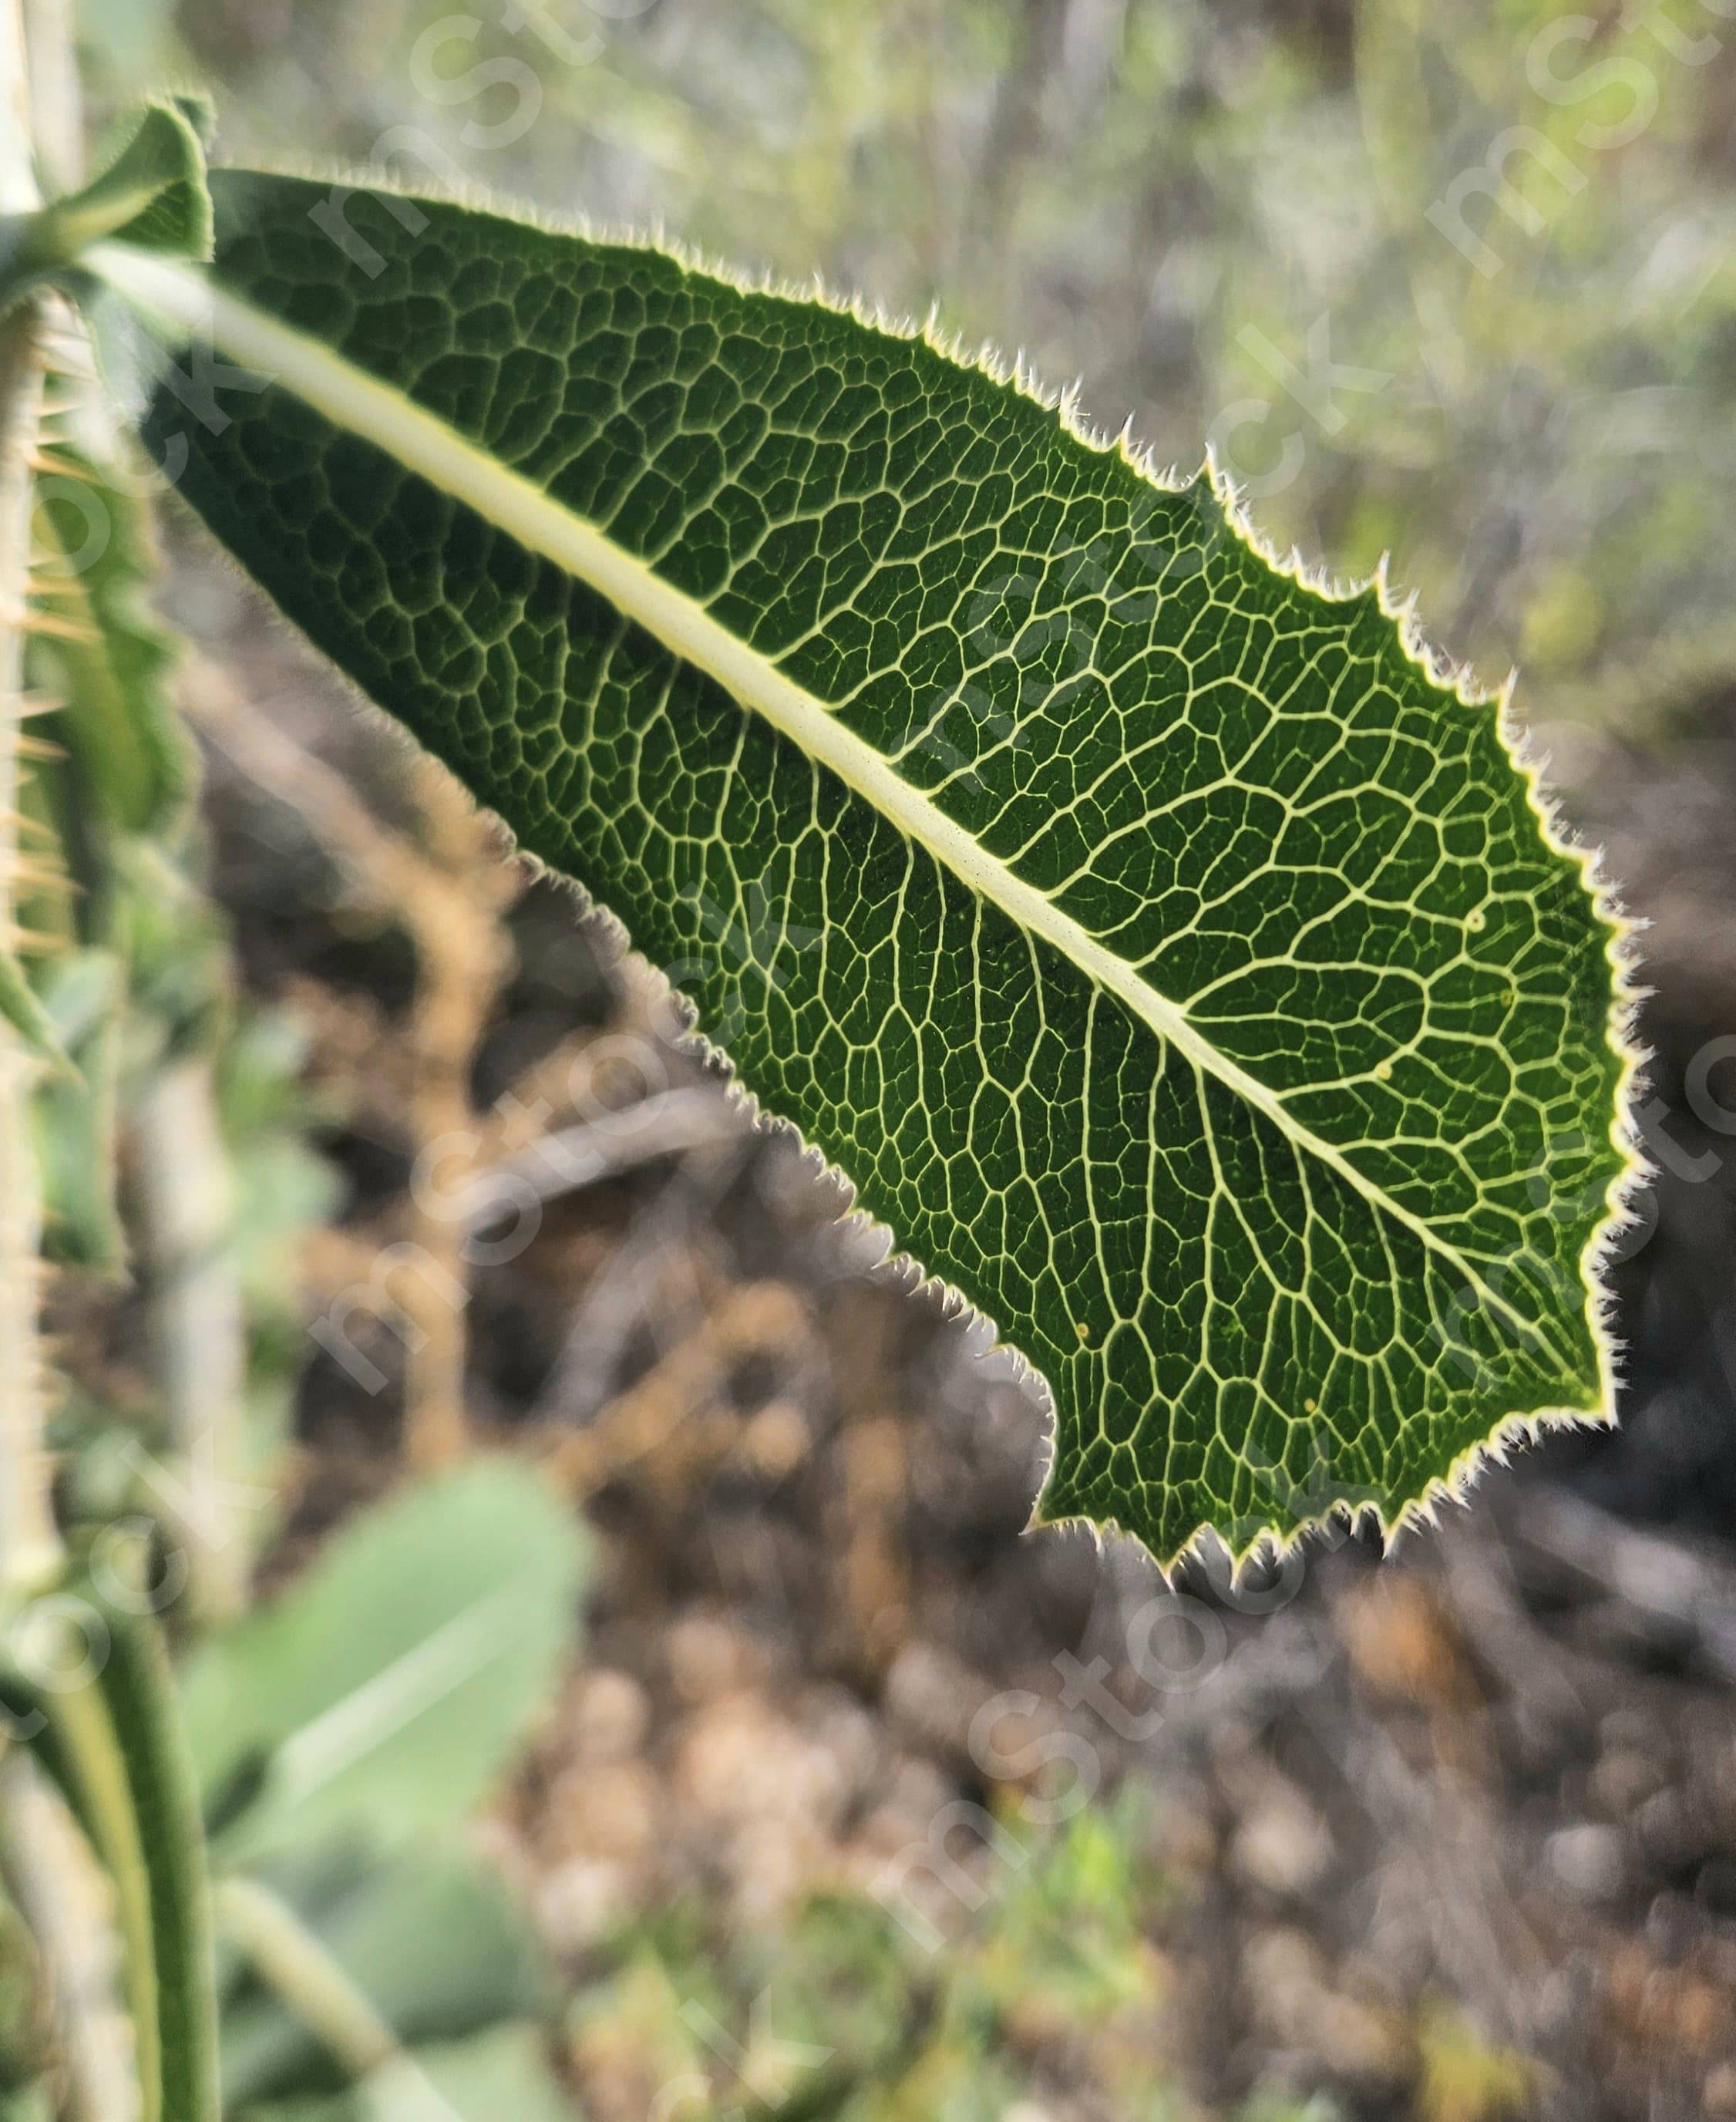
562,1159
651,1278
449,899
875,1593
1013,135
463,961
753,1319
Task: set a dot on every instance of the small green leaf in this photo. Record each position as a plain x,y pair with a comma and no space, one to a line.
1176,960
503,2076
151,194
200,112
428,1939
78,1116
137,767
23,1009
496,2075
388,1689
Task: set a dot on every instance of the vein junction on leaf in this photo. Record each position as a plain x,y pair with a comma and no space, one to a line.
1248,835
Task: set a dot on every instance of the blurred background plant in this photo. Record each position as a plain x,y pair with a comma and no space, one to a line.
1165,199
1453,1842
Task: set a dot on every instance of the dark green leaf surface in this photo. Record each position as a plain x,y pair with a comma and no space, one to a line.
1180,970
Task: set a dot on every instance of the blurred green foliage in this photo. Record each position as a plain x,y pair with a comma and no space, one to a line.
1050,1993
344,1733
1225,217
22,2097
113,800
389,1689
134,974
1218,215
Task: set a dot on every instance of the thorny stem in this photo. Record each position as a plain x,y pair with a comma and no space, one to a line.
41,1856
43,1862
29,1544
187,1194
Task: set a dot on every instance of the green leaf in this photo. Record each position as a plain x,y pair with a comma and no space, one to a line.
151,193
1179,964
502,2074
112,1742
24,1010
388,1689
430,1941
135,766
139,1694
78,1114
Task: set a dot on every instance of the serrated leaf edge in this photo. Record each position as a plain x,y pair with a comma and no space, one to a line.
1448,677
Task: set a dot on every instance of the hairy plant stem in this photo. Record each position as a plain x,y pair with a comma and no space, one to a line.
47,1869
29,1544
186,1192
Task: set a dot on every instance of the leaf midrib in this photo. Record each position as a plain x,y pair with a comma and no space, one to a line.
191,304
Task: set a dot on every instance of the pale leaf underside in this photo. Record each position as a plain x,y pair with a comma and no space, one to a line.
1177,968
